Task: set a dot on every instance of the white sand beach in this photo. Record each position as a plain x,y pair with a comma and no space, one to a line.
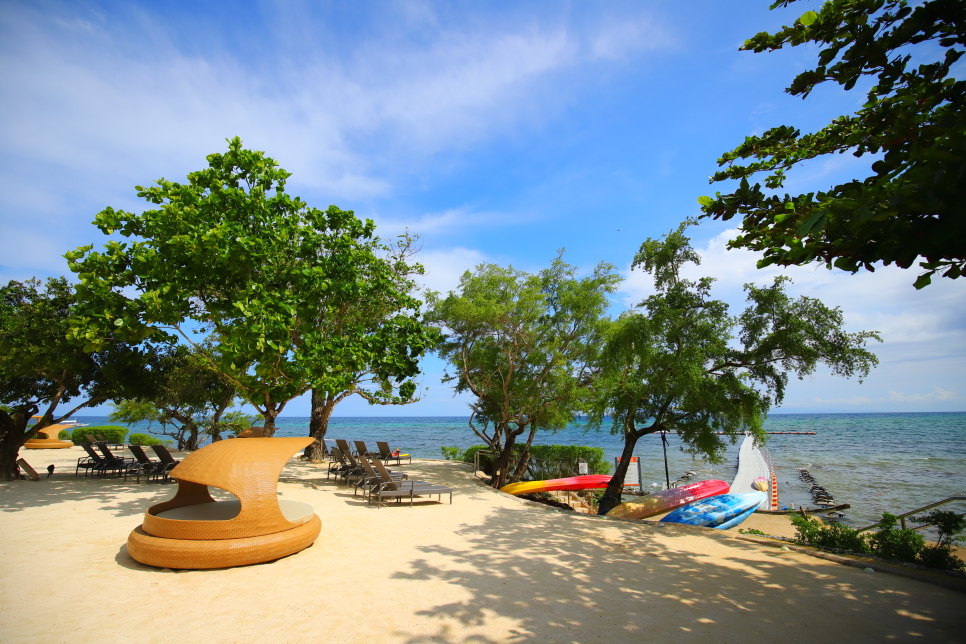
488,568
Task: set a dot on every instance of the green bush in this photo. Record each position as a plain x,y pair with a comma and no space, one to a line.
833,535
63,435
113,433
450,453
895,544
144,440
941,555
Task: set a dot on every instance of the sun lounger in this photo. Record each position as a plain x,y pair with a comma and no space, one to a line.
121,463
145,466
339,464
97,463
404,489
101,439
165,457
362,450
373,478
31,472
354,468
386,455
343,445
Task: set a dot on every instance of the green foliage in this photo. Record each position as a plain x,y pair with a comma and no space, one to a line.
950,525
130,412
679,362
893,543
112,433
40,372
144,440
914,118
63,435
752,531
522,346
450,453
231,254
235,422
834,536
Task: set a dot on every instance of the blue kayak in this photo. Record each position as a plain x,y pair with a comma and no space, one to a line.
723,511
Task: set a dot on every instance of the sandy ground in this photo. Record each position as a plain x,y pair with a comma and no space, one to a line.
487,568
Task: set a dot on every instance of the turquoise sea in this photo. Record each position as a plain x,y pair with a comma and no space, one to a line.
874,462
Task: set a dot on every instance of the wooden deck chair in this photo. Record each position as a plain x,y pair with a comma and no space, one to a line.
31,472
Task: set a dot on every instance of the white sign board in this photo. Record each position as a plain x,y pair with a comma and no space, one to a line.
633,474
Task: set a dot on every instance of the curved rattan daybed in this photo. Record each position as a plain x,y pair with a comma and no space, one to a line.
192,530
46,438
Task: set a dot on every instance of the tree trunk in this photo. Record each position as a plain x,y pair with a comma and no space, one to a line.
612,496
270,415
524,459
191,444
322,407
506,455
13,434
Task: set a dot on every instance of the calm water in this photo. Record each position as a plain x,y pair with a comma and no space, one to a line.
875,462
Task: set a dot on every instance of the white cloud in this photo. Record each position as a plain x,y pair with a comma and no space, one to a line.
937,394
445,267
455,219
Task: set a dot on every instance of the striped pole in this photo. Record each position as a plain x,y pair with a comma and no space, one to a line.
774,490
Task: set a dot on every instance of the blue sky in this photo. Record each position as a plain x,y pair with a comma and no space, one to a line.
497,131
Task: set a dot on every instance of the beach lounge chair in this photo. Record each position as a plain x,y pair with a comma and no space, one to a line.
339,464
97,463
404,489
101,439
29,471
343,445
362,450
373,478
165,457
354,469
145,466
120,463
387,455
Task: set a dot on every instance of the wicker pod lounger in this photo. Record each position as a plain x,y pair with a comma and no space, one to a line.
194,531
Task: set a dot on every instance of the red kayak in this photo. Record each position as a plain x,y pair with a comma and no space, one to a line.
669,499
586,482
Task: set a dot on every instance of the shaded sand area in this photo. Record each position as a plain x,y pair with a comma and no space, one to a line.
488,568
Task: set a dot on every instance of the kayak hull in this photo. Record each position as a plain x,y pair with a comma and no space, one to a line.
585,482
666,500
717,510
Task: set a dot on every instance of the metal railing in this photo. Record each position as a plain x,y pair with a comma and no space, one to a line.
902,517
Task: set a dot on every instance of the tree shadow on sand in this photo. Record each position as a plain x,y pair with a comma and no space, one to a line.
555,577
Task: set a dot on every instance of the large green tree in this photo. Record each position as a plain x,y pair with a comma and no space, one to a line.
40,371
387,374
523,346
913,126
680,363
231,255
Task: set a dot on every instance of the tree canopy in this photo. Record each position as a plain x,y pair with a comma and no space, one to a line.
523,346
230,255
680,363
40,371
913,125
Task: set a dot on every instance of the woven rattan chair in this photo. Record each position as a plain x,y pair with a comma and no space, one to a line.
46,438
193,531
